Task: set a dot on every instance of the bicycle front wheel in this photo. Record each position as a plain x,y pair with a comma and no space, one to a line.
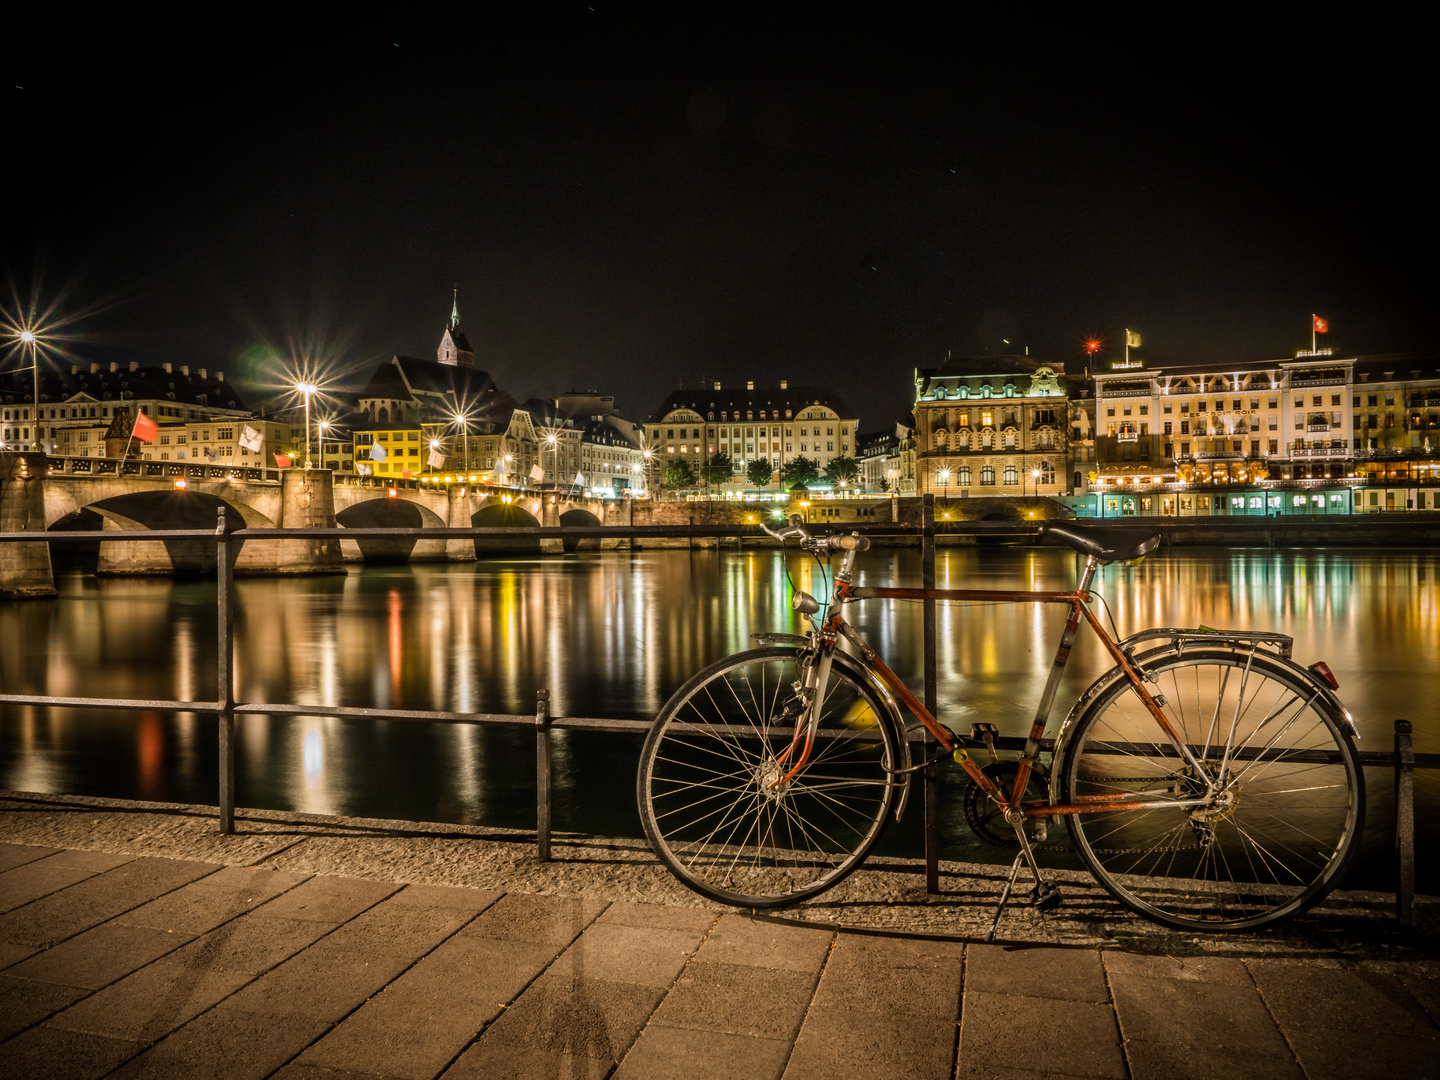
1267,836
712,788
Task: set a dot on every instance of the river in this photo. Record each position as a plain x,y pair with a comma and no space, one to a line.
611,635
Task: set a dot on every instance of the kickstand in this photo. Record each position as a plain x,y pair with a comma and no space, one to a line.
1005,895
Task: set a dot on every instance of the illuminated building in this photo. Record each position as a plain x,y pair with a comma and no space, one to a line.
991,425
778,423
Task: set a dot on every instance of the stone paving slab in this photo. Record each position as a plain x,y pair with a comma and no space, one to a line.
97,899
144,966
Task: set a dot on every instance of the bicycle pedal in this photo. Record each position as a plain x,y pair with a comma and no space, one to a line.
1046,897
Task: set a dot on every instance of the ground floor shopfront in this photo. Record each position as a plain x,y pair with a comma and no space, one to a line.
1250,500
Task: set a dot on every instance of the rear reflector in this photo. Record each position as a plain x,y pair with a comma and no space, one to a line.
1322,669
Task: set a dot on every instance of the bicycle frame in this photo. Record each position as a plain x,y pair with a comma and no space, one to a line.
1078,600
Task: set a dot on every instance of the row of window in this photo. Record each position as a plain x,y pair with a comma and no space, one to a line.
1043,474
750,432
1039,440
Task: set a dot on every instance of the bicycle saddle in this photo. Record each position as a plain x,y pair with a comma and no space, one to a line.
1108,543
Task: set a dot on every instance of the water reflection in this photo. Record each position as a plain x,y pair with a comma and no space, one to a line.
613,635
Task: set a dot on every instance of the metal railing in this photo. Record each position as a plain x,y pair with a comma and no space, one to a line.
1403,760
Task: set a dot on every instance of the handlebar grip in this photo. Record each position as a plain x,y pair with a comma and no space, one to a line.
850,543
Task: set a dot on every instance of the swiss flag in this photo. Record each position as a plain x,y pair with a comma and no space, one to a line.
282,461
145,428
1321,326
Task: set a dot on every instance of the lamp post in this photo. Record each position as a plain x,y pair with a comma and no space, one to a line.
32,345
306,389
554,454
320,426
464,423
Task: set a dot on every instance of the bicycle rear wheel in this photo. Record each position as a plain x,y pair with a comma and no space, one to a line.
712,796
1266,842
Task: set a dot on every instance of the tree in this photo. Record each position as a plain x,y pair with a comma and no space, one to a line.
884,483
842,470
678,474
718,469
802,470
760,472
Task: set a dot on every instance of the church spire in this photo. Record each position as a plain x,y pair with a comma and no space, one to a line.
455,309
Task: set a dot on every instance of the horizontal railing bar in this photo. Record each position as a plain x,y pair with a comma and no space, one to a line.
1373,758
109,703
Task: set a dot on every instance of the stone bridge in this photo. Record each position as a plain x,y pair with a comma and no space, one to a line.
36,493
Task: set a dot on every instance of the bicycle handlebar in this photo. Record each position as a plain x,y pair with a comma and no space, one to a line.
796,527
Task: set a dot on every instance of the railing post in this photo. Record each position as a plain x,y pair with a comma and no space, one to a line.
225,680
1404,824
932,774
542,775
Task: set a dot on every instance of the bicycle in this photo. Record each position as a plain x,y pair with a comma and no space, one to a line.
1208,780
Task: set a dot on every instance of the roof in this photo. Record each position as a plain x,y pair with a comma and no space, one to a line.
993,365
731,399
403,377
144,384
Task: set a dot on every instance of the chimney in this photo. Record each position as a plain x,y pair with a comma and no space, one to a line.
94,369
784,384
1364,376
184,369
167,369
114,367
717,384
202,374
134,365
749,384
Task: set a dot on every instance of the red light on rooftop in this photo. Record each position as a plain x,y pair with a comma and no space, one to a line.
1092,345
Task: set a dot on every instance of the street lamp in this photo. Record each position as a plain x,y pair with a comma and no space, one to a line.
306,389
31,344
463,422
320,427
554,454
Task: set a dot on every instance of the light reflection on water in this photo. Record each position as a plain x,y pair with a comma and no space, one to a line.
613,635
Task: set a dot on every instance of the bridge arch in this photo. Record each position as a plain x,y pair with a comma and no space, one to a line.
497,514
578,517
159,509
393,514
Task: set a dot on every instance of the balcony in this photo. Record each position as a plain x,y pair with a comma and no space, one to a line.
1310,452
1128,436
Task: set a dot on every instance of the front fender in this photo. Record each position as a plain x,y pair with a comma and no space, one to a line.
862,674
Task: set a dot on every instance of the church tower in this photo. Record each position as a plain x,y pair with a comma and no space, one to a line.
455,347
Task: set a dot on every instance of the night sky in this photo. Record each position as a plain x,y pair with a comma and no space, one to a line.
630,199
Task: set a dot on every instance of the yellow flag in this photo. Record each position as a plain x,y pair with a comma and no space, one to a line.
1132,339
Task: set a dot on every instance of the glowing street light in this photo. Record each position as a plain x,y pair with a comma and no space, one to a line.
462,420
306,389
30,342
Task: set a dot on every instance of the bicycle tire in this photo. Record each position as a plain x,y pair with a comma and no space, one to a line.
1277,837
705,782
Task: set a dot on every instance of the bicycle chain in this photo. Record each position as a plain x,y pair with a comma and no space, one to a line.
1069,849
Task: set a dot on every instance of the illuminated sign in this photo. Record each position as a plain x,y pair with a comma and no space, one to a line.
1126,365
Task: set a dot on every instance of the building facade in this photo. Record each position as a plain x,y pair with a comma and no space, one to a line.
991,425
777,423
76,409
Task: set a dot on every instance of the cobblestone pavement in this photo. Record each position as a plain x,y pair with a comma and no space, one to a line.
232,962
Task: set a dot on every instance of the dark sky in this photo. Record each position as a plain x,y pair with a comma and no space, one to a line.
630,199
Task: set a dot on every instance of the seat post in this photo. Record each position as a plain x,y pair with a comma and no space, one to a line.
1087,576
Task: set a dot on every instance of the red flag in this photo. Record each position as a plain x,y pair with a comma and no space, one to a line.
1321,326
406,473
282,461
145,428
